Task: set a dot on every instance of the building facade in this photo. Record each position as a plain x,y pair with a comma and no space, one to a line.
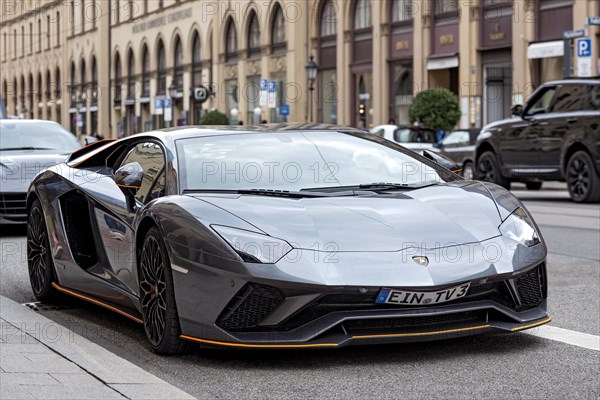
113,67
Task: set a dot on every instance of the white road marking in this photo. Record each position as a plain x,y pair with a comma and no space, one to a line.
574,338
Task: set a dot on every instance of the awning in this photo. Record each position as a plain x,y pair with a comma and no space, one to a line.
442,63
546,49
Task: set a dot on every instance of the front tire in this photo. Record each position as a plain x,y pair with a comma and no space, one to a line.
157,296
582,180
489,171
39,256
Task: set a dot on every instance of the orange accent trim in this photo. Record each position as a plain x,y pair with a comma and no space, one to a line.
257,346
128,187
520,328
420,333
456,171
97,302
95,144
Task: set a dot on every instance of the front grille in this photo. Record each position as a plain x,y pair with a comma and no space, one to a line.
250,306
395,324
530,286
13,204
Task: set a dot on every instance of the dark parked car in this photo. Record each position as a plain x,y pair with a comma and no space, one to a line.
555,136
303,246
459,146
410,136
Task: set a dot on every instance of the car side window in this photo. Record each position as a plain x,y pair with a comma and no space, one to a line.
574,97
152,159
542,102
457,139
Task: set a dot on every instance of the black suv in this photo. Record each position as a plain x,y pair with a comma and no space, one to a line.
554,136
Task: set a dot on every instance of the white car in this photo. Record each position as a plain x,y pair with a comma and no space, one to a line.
409,136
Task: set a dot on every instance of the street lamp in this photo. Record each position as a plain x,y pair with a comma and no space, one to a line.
311,75
173,89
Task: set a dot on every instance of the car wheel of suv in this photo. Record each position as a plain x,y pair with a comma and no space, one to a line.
489,171
467,171
582,179
533,185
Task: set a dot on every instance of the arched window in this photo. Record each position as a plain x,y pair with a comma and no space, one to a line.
57,84
130,75
402,10
178,64
4,88
231,43
117,77
73,84
94,82
22,93
328,19
40,88
145,72
15,89
253,36
278,42
48,87
161,70
30,95
83,82
196,61
362,14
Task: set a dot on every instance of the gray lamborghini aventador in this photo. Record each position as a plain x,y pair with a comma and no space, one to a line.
283,236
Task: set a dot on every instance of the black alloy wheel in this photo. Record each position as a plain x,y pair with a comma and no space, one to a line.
39,256
582,180
489,171
161,322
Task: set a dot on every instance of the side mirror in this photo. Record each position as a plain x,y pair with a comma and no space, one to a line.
129,179
89,140
517,110
442,161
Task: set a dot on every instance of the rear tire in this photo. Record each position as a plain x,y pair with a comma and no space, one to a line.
533,185
39,256
489,171
582,179
157,297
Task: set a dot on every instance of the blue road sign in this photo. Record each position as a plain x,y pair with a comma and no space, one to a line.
167,103
272,88
263,85
284,110
584,47
158,103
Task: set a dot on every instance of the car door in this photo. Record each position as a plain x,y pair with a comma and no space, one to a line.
519,141
114,221
566,119
456,146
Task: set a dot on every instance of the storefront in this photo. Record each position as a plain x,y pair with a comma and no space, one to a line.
362,65
496,59
546,54
327,100
443,61
401,60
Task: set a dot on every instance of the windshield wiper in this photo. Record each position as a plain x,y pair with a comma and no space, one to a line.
261,192
25,148
374,186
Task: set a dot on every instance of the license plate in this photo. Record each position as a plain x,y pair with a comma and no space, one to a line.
405,297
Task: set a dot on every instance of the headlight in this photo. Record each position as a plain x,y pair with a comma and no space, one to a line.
254,247
519,227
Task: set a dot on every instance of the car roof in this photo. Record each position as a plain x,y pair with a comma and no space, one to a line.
573,81
27,121
183,132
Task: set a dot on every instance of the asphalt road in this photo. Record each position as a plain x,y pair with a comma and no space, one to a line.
490,366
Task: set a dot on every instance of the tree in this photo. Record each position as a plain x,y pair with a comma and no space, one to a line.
435,108
214,118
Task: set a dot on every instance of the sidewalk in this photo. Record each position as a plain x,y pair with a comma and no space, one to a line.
40,359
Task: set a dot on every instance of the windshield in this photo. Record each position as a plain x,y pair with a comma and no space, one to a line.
405,135
298,160
36,136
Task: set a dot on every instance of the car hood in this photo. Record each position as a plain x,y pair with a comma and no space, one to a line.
430,217
18,168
